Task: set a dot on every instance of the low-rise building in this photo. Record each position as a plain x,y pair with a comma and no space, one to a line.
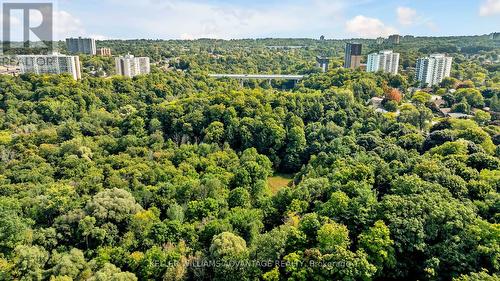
104,52
12,70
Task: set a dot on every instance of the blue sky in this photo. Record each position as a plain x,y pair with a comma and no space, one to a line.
226,19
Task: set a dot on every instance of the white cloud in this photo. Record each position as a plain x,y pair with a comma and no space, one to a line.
192,19
64,24
410,17
368,27
67,25
406,16
490,8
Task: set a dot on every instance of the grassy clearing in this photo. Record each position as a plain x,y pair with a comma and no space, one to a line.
279,181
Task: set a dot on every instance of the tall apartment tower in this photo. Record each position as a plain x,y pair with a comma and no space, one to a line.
385,61
394,39
352,55
323,63
433,69
50,64
81,46
131,66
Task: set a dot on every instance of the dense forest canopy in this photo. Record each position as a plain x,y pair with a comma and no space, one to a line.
166,176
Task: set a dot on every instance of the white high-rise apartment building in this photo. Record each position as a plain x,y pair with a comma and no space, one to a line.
385,61
50,64
433,69
81,46
131,66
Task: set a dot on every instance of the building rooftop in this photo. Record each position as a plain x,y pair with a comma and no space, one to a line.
386,52
459,115
437,56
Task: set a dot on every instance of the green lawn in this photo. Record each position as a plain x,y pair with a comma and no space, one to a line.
279,181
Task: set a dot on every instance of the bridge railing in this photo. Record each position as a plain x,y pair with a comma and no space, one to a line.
259,76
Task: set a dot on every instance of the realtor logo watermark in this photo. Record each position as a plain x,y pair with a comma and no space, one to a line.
40,32
29,61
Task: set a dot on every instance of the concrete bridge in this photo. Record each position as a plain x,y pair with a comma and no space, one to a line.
243,77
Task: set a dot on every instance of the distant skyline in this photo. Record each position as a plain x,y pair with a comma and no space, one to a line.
236,19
